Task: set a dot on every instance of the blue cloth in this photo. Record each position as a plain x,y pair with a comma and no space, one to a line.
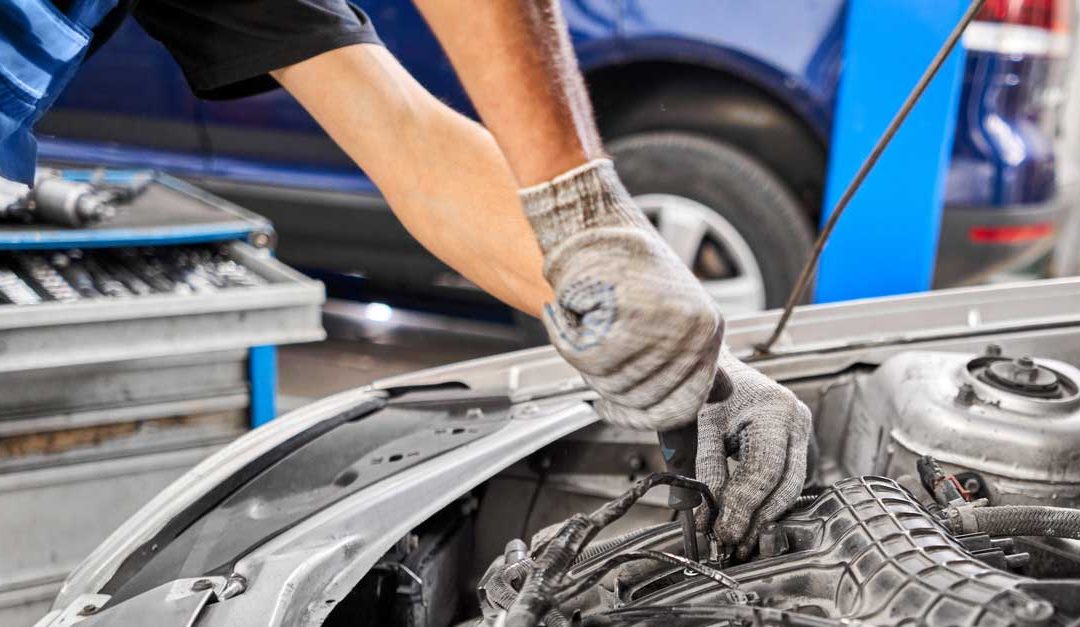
40,49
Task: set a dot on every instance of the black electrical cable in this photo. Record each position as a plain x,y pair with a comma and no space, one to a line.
803,282
502,594
720,613
540,481
599,548
617,507
556,556
575,588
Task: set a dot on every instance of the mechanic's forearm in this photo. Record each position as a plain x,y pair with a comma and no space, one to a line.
443,175
515,59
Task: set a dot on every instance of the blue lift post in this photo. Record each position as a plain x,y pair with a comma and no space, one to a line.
262,376
886,243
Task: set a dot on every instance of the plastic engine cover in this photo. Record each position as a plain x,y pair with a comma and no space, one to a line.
865,550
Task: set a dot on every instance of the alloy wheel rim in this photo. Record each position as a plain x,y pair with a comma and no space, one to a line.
711,247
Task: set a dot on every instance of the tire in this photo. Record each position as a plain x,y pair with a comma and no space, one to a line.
731,183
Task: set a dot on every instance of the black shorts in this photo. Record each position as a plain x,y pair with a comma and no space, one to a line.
227,47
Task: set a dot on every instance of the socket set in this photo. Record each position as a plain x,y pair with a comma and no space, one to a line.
32,277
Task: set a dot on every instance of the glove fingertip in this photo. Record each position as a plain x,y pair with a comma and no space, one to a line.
745,550
732,526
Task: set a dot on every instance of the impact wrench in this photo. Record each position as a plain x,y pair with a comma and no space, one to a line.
679,448
58,201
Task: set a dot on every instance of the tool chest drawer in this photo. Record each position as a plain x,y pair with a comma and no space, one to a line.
79,307
176,271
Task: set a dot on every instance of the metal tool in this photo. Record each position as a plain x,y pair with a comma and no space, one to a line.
15,291
56,200
76,275
45,278
28,277
679,448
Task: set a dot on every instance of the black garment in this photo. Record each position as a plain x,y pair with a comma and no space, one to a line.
227,47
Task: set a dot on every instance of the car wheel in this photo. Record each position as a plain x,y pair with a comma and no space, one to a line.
725,215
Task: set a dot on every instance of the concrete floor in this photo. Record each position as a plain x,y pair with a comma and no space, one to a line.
360,350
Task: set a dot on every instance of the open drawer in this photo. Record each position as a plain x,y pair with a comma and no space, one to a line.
273,305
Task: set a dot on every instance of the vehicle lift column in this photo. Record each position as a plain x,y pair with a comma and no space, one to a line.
887,241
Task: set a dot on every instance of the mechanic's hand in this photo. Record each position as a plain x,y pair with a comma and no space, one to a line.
628,314
767,430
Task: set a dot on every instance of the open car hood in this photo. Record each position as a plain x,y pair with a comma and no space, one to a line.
284,521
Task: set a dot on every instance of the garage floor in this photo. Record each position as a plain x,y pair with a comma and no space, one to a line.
360,350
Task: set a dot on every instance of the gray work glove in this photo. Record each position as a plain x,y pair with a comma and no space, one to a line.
767,430
628,314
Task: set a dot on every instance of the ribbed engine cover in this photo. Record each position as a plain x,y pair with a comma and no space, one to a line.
865,550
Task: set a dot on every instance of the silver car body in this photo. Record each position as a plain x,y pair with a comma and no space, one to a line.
297,577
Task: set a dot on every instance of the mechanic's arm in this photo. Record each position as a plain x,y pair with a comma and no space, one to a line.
442,174
628,314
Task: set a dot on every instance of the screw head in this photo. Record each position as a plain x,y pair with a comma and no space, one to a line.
88,609
993,350
201,584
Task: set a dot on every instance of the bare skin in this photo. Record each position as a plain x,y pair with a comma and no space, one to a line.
515,59
449,180
443,175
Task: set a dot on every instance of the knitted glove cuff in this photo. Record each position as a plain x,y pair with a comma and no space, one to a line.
585,197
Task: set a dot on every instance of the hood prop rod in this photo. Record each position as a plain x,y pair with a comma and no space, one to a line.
808,270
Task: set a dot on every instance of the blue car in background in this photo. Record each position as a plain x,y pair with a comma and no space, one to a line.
718,113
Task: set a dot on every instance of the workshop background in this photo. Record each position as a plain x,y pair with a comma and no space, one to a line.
250,268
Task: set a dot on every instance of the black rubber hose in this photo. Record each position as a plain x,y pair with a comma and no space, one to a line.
1027,520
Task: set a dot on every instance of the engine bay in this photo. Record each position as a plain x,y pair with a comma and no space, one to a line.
943,490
